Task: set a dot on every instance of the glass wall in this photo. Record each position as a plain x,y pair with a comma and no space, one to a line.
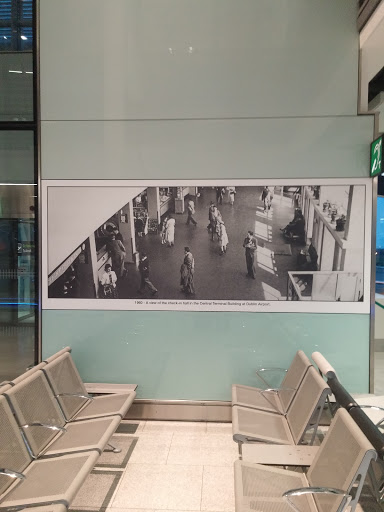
18,190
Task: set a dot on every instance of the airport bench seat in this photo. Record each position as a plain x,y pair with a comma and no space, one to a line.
25,482
273,400
43,425
340,465
252,425
72,395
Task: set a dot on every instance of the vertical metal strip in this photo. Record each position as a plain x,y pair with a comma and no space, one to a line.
37,167
373,272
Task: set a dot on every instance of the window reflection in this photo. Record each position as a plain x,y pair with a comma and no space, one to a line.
16,25
18,281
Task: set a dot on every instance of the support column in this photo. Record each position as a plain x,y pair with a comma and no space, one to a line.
127,230
93,256
153,197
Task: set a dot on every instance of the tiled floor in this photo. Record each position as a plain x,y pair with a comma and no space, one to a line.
179,466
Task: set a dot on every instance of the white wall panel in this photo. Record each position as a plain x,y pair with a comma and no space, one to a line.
172,59
89,208
277,148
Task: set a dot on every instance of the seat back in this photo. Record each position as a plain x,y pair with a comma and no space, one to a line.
28,373
13,452
293,378
341,462
307,405
64,378
58,354
4,387
33,402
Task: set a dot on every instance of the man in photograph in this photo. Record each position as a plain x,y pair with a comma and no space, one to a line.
188,272
250,245
191,213
144,274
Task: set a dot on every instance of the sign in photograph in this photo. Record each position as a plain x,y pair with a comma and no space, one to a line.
245,245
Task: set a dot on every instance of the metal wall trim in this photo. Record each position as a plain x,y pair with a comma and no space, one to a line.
373,272
180,410
37,118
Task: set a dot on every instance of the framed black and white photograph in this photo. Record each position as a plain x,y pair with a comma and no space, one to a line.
239,245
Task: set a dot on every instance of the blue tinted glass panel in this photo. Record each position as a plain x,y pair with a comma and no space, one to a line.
27,9
26,39
380,223
5,9
5,38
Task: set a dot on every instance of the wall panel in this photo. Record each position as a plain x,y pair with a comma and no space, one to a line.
172,59
154,89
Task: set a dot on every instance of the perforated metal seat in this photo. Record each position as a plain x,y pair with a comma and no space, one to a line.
23,482
43,424
276,400
73,398
340,464
251,425
46,508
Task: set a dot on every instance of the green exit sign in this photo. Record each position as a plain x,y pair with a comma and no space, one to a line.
377,156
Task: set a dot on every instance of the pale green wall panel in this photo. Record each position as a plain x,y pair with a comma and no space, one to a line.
199,355
183,59
243,148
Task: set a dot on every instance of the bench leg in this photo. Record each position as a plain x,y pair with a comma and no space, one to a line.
240,448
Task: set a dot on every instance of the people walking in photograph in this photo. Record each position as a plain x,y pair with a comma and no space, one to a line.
170,231
212,213
250,245
220,191
144,275
163,230
218,221
108,283
223,237
187,272
231,195
117,253
266,198
191,212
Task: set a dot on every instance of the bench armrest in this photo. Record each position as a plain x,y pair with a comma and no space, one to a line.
375,408
316,490
263,370
264,392
74,395
12,474
45,425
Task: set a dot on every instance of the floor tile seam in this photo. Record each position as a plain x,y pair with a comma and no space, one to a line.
169,450
200,463
123,473
202,486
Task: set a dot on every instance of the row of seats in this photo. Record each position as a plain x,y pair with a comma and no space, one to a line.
325,478
51,434
283,415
